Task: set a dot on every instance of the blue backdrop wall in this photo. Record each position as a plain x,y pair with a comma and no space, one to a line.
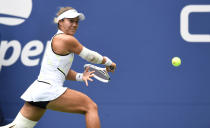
141,36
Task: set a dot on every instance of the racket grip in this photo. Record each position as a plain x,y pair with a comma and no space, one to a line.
111,67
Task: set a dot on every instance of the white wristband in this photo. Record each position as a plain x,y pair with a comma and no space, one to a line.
108,61
79,76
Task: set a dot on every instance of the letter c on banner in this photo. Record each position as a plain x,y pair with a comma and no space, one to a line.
184,23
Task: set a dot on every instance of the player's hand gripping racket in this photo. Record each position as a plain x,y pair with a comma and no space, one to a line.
100,74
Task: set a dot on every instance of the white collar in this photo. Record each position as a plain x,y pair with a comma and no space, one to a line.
59,31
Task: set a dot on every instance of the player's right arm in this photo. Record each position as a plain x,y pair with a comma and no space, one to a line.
72,45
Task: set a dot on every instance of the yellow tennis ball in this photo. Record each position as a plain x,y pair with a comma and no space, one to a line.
176,61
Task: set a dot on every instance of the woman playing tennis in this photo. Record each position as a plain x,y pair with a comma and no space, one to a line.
48,92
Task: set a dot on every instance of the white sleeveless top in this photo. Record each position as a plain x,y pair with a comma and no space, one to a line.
54,69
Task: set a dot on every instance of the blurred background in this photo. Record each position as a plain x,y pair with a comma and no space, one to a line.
141,36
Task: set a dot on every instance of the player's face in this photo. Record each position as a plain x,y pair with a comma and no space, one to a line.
70,25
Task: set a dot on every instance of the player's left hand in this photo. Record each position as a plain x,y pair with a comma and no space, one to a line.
87,75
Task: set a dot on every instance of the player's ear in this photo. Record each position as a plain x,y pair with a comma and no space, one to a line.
60,22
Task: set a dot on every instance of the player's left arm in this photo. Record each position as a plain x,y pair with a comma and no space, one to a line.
71,75
75,76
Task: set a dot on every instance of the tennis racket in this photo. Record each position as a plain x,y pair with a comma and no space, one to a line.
100,73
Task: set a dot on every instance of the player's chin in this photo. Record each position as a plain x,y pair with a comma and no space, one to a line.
72,32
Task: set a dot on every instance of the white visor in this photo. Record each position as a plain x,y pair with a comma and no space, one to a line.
71,14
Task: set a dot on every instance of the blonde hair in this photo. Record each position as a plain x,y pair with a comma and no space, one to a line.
61,10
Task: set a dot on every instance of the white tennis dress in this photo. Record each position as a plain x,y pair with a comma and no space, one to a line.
49,84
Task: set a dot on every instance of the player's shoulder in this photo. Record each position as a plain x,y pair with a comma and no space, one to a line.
64,38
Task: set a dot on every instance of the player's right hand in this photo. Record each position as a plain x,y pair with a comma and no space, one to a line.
111,68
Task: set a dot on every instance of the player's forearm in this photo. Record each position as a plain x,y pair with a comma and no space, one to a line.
71,75
94,57
103,61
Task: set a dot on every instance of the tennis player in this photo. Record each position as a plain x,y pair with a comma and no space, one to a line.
48,92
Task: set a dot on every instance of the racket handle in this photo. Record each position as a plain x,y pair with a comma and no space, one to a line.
111,67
